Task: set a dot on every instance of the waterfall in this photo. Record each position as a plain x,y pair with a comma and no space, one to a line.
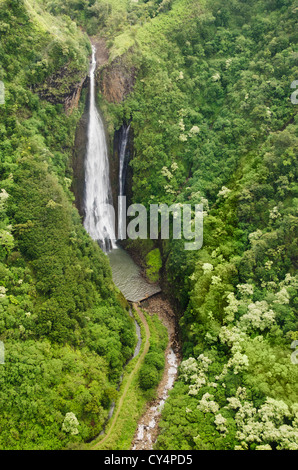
122,176
99,218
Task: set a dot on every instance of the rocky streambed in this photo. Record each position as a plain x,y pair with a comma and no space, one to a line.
148,426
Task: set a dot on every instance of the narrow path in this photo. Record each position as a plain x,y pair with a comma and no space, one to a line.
130,378
148,426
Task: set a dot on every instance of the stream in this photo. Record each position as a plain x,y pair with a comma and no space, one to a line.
100,225
148,426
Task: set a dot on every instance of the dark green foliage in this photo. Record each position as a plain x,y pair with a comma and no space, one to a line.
148,377
40,383
149,373
66,335
152,369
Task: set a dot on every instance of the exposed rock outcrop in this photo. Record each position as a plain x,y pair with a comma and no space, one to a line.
63,87
78,160
115,79
72,101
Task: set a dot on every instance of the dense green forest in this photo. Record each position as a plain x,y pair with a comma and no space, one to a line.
213,123
65,331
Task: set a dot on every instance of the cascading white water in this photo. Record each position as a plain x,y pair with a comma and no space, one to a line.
122,176
99,218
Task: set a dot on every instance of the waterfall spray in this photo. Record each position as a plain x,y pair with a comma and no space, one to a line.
122,178
99,217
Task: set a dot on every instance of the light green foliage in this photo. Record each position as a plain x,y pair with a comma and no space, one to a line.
70,424
154,263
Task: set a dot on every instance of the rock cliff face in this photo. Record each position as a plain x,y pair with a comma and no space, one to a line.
116,81
78,157
114,166
62,87
72,100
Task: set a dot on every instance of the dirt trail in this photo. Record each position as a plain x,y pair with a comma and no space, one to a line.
148,427
132,374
